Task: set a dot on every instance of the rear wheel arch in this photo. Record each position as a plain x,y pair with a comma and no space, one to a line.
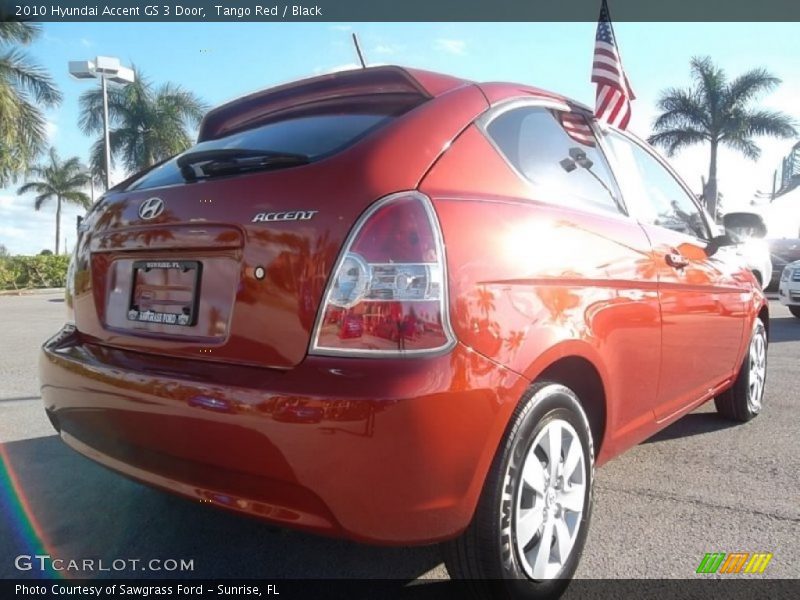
488,554
581,376
763,314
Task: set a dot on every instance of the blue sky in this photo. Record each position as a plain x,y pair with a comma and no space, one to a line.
220,61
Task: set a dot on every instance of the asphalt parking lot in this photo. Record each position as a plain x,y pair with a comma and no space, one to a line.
702,485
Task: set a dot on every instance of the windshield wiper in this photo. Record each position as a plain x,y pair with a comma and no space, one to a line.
228,161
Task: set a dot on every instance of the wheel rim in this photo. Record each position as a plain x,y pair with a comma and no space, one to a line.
550,500
758,370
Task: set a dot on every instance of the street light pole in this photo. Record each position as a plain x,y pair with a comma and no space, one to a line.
106,133
106,69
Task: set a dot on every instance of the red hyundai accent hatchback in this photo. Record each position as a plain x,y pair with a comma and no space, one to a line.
402,308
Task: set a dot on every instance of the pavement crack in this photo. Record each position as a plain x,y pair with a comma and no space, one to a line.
696,501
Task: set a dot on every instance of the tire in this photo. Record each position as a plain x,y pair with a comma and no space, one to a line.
795,310
744,399
488,554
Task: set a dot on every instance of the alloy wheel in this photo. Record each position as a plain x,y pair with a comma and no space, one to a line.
758,370
550,500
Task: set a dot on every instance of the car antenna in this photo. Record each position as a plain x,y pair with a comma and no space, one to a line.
358,51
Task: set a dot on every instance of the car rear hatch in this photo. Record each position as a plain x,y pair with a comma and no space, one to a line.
223,253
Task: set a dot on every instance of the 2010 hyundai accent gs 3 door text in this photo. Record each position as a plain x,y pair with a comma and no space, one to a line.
402,308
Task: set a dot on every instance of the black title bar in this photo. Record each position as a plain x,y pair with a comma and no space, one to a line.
397,10
697,588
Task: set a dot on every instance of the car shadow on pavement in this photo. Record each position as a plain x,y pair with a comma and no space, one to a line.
784,329
692,424
83,510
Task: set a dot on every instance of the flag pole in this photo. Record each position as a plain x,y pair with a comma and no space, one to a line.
614,34
613,94
358,51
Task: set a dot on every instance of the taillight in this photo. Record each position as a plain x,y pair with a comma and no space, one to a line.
388,291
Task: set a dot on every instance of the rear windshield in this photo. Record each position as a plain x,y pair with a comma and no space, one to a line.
314,136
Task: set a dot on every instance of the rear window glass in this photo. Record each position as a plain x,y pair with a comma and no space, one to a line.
315,136
557,151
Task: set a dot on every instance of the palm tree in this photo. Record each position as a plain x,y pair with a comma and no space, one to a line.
147,124
25,89
63,181
717,111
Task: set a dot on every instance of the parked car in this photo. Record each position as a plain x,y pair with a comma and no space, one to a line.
783,251
789,289
556,292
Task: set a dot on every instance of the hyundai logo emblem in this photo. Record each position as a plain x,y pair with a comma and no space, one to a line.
151,208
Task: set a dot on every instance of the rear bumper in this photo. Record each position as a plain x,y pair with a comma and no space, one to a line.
383,451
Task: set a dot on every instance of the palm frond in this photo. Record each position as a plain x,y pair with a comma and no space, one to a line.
24,89
681,108
15,31
55,162
41,199
710,80
747,86
673,140
33,186
180,102
22,138
97,161
744,146
78,199
15,66
766,122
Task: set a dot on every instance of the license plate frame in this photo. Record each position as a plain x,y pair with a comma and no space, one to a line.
179,319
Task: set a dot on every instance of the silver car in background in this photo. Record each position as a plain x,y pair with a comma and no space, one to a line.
789,288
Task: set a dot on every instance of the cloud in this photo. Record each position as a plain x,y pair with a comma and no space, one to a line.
24,230
456,47
15,233
386,49
51,128
51,39
86,43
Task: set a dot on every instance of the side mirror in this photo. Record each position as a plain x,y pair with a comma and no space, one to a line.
743,225
718,242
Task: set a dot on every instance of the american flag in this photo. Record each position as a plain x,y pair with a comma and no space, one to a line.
614,93
576,127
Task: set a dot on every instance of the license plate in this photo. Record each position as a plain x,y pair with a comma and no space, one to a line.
165,292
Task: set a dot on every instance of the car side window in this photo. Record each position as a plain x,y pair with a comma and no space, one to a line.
653,192
557,152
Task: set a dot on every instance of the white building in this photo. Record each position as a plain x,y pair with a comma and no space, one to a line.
782,215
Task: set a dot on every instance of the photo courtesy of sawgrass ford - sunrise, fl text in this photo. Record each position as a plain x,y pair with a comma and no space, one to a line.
367,299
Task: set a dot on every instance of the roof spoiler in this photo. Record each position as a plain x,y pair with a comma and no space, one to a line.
266,104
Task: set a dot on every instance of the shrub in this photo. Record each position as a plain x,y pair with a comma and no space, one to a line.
26,272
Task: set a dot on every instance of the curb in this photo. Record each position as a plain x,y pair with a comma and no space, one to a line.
32,292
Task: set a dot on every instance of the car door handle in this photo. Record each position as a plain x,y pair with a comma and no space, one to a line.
676,260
